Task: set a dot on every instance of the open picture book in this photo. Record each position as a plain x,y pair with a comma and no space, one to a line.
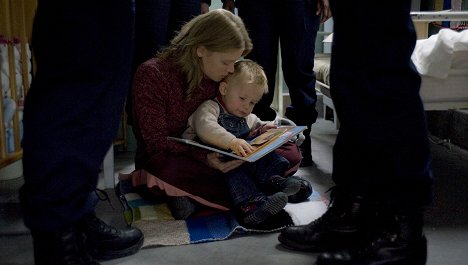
263,144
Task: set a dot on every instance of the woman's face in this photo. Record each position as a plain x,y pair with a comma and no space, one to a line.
217,65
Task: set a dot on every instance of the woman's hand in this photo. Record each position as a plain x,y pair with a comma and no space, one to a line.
240,147
323,9
212,159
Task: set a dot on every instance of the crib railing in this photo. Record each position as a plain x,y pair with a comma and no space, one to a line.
16,18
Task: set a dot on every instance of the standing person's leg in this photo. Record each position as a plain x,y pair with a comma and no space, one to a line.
151,30
297,37
381,157
156,22
71,115
382,151
181,12
261,20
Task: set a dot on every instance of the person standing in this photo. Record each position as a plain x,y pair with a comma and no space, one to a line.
294,25
156,23
381,158
83,52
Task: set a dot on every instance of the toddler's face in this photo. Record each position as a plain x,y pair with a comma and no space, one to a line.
239,97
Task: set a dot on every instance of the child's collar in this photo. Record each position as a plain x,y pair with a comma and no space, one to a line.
220,100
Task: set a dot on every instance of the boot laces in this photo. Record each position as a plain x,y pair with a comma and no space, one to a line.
103,196
333,210
100,225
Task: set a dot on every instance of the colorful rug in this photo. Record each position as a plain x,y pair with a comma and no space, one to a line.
161,229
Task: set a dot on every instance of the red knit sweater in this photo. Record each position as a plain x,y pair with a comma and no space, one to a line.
161,110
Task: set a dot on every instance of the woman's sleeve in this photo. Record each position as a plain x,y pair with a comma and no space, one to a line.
151,92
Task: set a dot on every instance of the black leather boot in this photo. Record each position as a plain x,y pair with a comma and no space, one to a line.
105,242
306,149
60,248
399,241
339,227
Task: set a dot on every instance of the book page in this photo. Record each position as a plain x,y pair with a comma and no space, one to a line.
267,136
264,143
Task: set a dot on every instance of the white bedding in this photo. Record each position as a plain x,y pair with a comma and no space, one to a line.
442,53
442,61
444,93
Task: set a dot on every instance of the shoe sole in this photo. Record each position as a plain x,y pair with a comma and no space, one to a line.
115,254
292,245
274,205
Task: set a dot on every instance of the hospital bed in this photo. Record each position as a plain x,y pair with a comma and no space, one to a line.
441,59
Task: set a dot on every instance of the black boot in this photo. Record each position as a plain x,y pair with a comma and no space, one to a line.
105,242
60,248
306,149
337,228
400,241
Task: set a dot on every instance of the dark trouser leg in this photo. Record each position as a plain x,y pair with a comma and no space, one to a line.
72,112
182,11
156,22
297,38
264,32
382,150
381,155
382,147
306,149
73,108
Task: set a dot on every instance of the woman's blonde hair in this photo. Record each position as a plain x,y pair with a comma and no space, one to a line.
249,72
218,31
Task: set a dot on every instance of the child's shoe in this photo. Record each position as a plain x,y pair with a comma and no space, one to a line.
258,209
276,183
181,207
304,192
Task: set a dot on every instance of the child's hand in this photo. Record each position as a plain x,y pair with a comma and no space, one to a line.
240,147
261,130
266,127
